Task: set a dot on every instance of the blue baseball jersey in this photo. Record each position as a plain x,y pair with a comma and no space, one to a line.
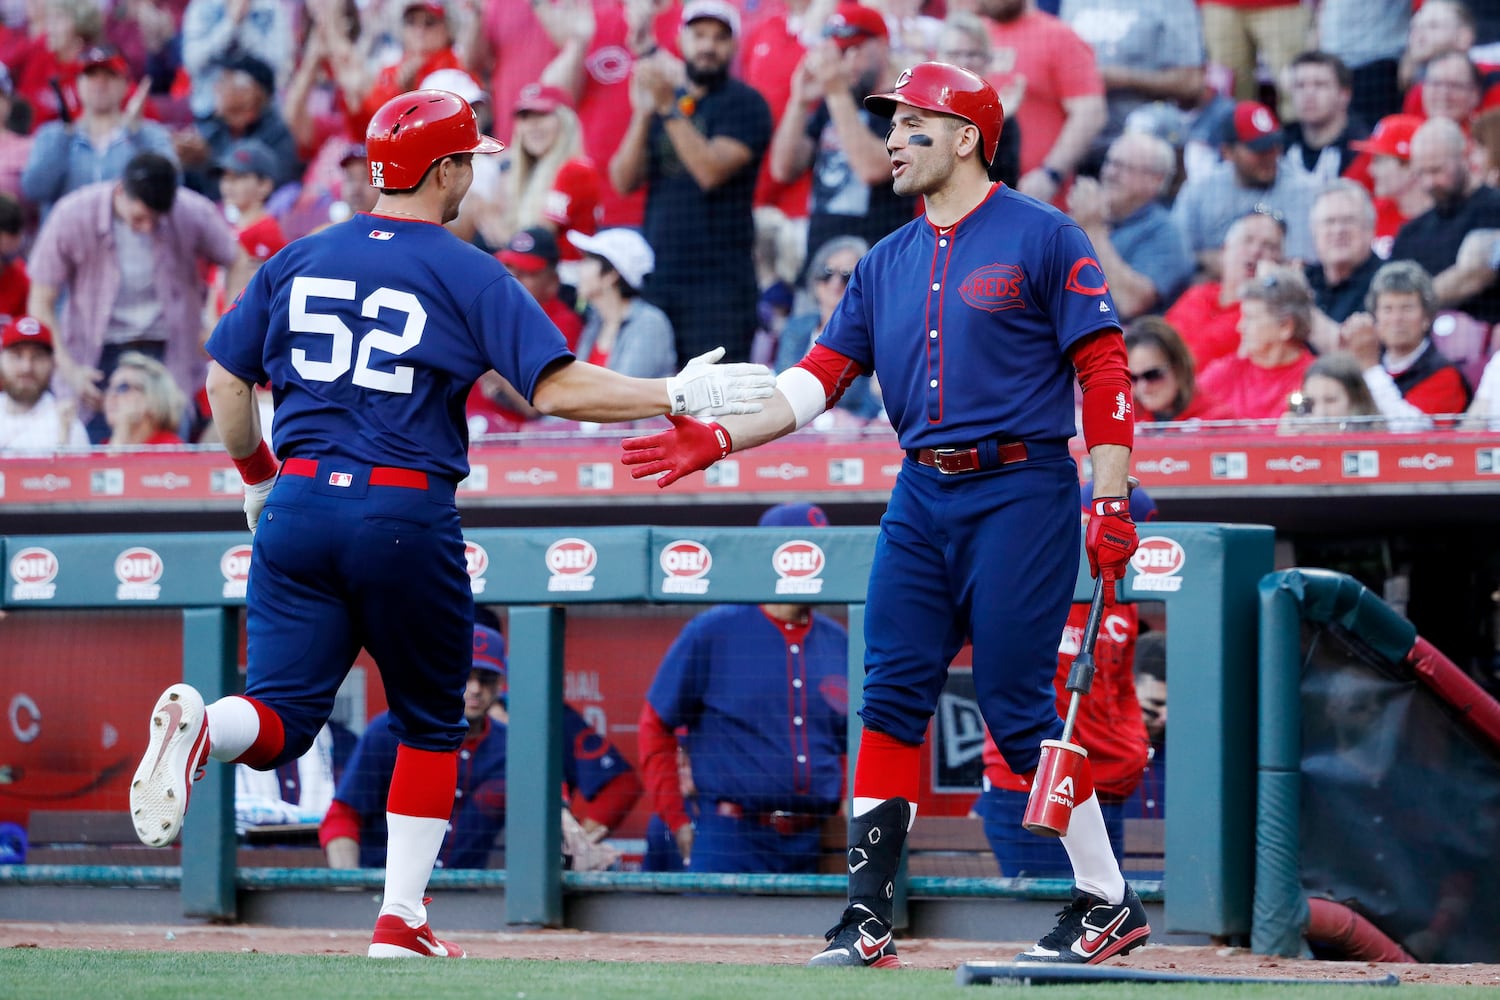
590,761
478,802
766,710
967,327
371,333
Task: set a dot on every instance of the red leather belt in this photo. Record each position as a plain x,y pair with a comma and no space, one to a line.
952,461
784,823
379,475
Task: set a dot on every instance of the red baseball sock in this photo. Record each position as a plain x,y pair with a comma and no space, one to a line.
886,768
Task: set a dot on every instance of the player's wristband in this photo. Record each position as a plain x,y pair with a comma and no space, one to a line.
258,466
1107,506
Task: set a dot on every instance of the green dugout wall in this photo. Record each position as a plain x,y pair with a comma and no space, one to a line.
1205,574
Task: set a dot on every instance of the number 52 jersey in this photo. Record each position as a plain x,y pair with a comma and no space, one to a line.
371,333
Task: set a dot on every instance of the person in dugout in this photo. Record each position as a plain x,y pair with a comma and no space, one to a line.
594,772
1109,727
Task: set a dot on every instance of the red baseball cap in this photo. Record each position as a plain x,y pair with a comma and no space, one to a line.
852,23
262,239
1392,136
104,57
536,98
1254,125
530,250
25,330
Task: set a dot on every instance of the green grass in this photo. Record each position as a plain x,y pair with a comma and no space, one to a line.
102,975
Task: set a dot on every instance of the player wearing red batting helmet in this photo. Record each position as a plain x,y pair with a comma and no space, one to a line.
949,90
412,132
981,314
371,444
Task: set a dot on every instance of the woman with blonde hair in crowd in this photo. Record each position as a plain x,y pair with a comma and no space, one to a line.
142,404
1333,389
549,182
1162,374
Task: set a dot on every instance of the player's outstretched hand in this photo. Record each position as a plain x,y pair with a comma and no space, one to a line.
255,500
690,446
705,388
1111,541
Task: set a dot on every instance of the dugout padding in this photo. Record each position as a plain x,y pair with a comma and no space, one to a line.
1379,778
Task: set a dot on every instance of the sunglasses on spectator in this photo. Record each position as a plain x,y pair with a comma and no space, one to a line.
121,388
1149,375
1261,208
830,273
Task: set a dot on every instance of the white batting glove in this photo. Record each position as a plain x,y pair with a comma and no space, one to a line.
255,500
705,388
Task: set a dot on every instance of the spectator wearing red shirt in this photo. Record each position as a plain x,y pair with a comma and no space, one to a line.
247,176
1407,375
1453,87
49,63
1275,319
769,58
550,182
15,285
426,47
1208,314
594,66
1384,166
1052,71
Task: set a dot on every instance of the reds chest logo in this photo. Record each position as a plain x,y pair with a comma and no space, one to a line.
994,288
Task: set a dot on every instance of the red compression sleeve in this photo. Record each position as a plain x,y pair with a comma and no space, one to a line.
832,369
1108,414
887,768
613,802
659,767
340,821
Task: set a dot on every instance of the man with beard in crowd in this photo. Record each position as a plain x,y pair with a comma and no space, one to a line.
695,140
31,420
827,130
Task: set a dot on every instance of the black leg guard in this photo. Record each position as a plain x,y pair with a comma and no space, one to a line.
875,841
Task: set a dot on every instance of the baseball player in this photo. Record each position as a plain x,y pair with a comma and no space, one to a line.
976,318
371,333
762,691
1109,726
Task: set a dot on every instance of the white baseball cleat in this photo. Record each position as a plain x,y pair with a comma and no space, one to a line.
174,759
394,938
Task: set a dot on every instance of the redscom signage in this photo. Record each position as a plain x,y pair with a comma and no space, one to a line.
1156,562
33,572
799,567
571,563
139,571
686,564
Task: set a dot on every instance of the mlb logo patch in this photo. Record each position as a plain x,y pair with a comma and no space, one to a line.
340,479
380,234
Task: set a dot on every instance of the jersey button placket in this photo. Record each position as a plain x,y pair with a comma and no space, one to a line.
934,322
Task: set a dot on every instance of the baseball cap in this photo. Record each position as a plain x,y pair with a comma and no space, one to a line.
1254,125
455,81
248,156
353,151
537,98
530,250
489,650
1142,507
25,330
437,8
263,238
104,57
1392,136
257,70
794,515
852,23
719,10
626,250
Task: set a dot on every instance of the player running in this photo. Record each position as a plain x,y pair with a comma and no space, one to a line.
371,333
976,318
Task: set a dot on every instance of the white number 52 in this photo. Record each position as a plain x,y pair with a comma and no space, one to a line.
341,352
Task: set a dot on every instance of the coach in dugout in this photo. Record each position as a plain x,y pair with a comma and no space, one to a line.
353,832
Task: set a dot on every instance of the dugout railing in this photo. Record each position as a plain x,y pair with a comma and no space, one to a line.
1205,574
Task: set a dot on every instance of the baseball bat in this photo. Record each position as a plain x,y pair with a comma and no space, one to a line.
1081,674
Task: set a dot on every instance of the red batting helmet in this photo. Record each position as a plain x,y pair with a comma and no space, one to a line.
950,90
413,131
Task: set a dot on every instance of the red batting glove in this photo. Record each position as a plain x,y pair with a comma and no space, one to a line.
690,446
1111,541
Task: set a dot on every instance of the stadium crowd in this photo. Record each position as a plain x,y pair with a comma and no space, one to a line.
1271,185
